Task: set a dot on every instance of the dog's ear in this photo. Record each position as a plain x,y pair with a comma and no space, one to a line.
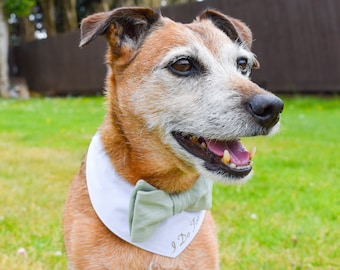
120,25
233,28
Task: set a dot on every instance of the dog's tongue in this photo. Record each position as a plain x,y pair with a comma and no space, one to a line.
238,153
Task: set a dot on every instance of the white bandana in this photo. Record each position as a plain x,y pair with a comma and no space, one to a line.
110,197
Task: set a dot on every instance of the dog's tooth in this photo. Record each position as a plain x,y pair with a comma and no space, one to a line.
252,153
226,157
194,139
232,165
203,145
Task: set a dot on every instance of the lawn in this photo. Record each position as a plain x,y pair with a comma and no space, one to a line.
286,217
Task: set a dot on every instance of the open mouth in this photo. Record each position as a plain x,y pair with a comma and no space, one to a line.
228,158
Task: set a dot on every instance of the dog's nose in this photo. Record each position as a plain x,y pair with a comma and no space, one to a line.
265,109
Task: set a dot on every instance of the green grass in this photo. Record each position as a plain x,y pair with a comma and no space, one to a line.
286,217
42,142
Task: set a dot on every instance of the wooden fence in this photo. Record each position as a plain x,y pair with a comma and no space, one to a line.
297,43
57,66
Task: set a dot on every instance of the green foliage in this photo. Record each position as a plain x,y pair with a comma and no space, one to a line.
19,7
286,217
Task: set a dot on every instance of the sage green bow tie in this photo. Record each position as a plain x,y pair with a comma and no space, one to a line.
149,206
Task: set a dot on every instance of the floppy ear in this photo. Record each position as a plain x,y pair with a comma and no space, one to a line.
120,25
233,28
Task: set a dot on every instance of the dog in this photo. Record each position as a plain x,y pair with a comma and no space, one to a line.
179,98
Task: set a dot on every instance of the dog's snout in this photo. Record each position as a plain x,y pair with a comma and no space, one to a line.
265,109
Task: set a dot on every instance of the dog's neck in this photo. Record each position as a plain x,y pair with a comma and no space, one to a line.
135,157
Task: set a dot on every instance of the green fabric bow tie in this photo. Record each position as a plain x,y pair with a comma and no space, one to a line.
149,206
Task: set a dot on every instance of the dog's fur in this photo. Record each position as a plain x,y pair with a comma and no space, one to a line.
146,102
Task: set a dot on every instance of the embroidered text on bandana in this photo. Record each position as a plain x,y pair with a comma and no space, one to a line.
110,196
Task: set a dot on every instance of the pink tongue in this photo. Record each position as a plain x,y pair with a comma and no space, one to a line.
238,153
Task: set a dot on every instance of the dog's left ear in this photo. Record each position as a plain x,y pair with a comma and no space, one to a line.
233,28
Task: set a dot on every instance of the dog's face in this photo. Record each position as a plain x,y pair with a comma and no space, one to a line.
189,85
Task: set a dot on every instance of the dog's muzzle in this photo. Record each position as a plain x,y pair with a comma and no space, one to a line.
229,157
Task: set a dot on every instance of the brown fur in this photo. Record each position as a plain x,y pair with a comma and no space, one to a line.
136,151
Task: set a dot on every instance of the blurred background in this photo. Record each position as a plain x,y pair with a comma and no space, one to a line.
296,42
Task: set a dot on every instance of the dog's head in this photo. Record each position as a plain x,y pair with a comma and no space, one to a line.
188,85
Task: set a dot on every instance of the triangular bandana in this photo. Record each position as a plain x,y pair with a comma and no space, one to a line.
110,196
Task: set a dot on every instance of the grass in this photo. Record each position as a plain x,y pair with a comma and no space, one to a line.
286,217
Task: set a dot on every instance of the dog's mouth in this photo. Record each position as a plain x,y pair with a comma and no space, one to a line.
229,158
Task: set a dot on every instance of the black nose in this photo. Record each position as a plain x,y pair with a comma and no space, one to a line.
265,109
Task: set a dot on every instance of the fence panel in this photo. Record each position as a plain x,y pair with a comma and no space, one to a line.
296,41
57,66
297,44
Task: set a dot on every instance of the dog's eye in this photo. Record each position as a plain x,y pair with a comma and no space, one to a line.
243,66
183,67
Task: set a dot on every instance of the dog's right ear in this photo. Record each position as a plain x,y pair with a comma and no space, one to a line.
121,25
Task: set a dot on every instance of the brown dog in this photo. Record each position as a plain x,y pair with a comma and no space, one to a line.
179,98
